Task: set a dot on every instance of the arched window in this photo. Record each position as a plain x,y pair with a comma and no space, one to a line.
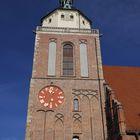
67,59
75,138
76,105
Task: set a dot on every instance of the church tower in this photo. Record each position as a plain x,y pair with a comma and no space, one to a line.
66,100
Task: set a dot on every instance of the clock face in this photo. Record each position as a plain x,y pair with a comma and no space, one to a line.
51,96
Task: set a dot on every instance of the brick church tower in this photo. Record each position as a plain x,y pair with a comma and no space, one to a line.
66,100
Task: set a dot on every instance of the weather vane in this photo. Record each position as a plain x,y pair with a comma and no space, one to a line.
67,4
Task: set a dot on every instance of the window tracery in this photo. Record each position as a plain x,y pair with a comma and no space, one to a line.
67,59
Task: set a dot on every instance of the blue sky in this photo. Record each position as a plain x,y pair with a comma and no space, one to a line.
118,21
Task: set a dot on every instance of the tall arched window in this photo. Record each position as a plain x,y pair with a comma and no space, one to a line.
76,105
67,59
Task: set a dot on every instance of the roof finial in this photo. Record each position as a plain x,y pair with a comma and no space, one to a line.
67,4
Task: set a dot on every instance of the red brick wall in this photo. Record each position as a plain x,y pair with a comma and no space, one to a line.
43,123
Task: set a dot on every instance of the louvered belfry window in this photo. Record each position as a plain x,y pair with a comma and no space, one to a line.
67,60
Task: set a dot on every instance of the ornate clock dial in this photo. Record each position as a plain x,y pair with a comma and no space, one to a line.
51,96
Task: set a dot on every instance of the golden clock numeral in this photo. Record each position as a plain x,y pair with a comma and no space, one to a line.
59,101
56,104
56,89
60,93
42,92
60,97
46,89
50,104
46,104
42,101
41,97
50,89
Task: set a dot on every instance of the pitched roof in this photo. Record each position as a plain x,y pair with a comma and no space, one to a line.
125,82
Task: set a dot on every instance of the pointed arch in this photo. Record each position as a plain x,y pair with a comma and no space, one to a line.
49,125
68,68
96,117
59,116
77,126
95,103
59,130
38,132
86,124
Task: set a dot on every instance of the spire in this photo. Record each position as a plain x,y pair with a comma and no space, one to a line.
66,4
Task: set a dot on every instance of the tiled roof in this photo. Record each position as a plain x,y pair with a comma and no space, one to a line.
125,82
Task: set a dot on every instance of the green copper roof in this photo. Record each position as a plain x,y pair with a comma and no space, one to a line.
66,4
